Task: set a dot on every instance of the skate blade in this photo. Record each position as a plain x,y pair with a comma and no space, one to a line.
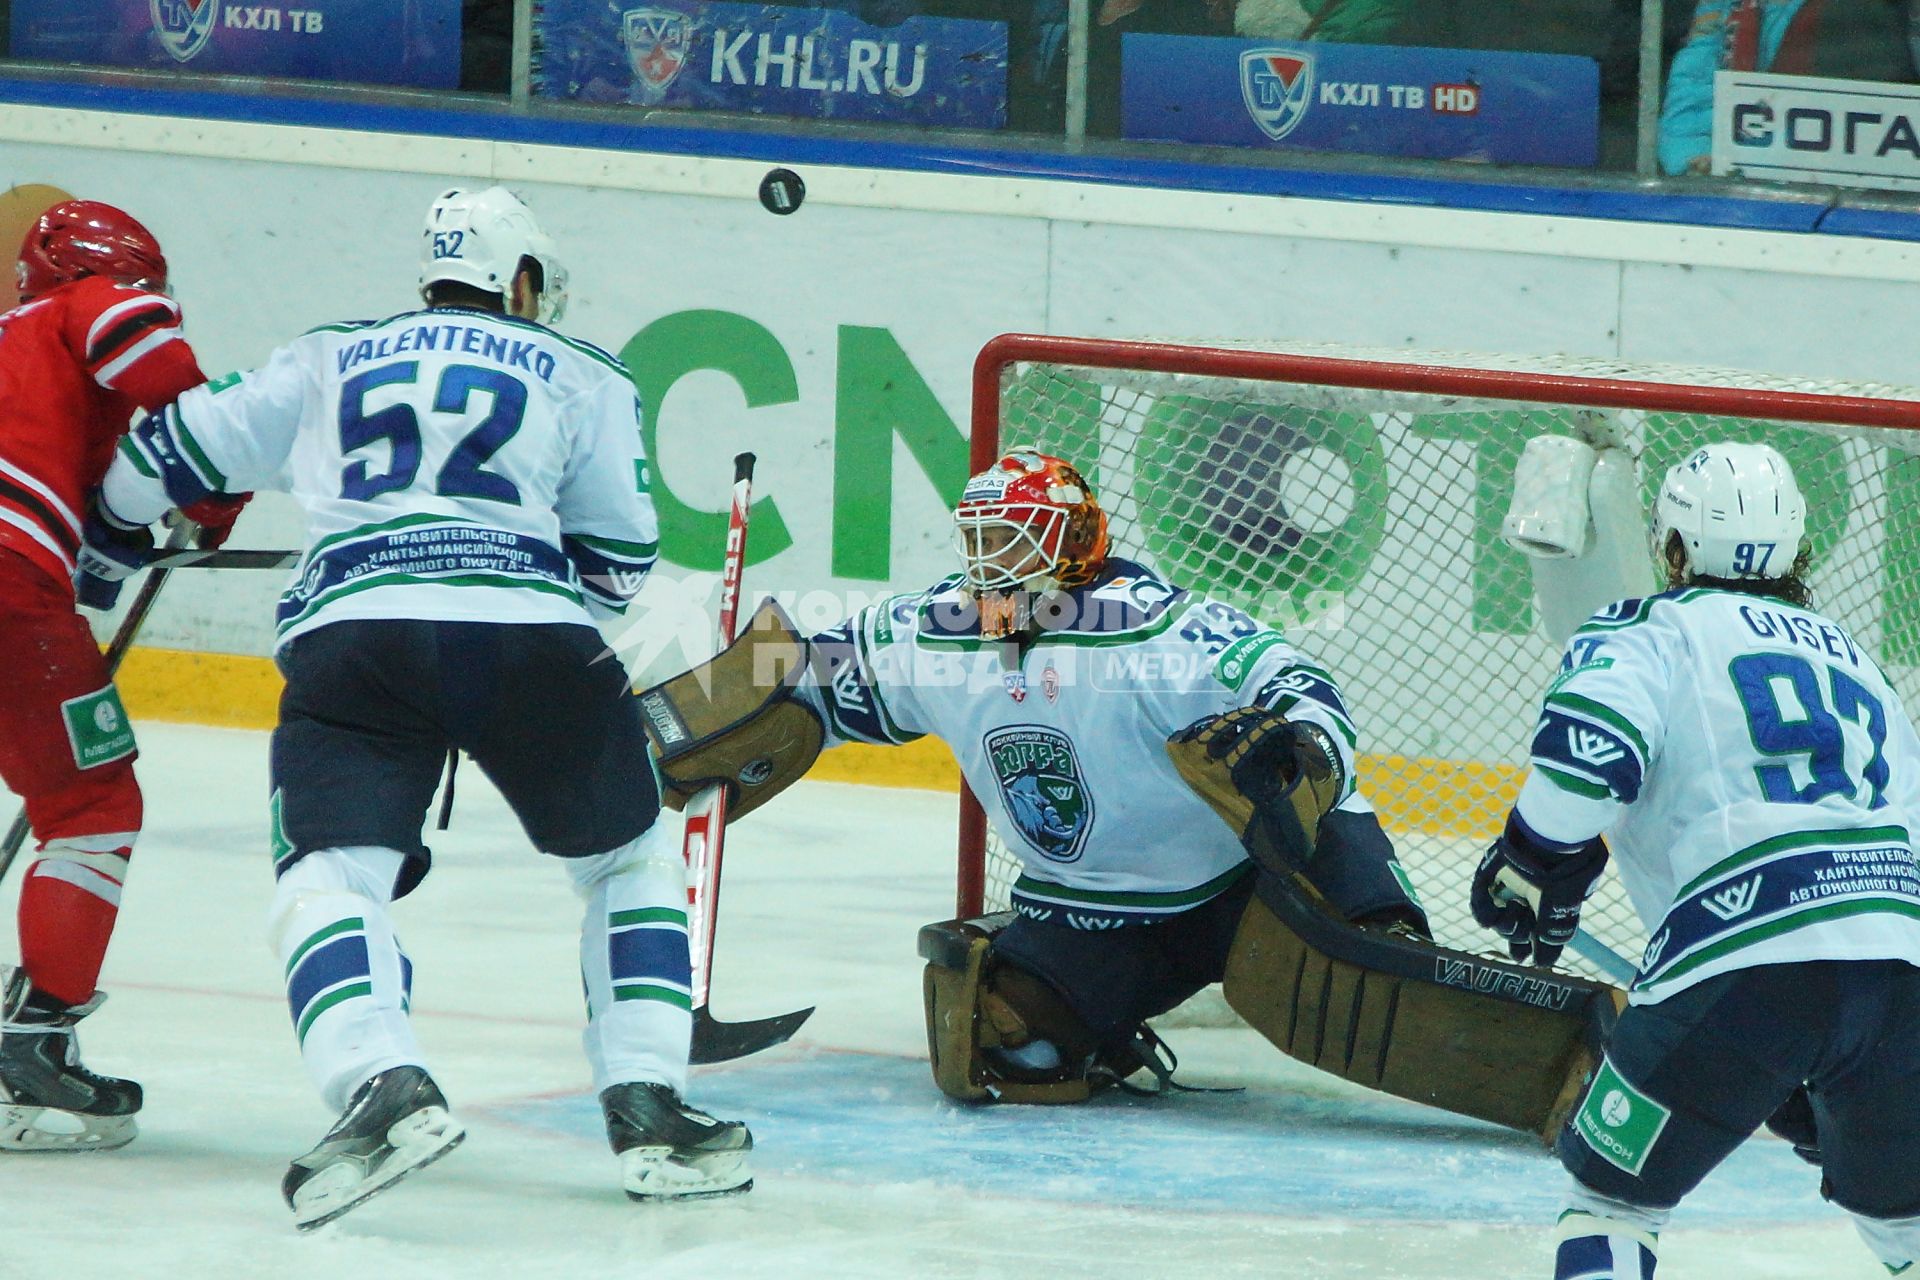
650,1173
49,1129
417,1141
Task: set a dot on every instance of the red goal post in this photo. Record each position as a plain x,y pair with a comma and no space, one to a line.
1316,483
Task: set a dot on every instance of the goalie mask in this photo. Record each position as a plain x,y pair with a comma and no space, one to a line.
1026,526
1737,510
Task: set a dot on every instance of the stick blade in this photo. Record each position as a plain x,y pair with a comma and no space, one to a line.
715,1041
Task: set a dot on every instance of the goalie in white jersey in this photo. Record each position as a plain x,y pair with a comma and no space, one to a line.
1057,674
1758,781
475,492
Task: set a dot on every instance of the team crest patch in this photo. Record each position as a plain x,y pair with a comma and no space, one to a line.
184,26
1050,683
1277,85
657,41
1045,794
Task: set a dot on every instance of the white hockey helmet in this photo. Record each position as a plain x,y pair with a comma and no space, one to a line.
478,238
1737,509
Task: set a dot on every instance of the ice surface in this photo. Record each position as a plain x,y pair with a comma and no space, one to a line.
863,1169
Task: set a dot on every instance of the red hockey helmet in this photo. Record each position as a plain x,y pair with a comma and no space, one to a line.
1029,523
79,238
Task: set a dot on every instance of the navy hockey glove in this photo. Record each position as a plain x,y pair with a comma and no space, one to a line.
111,551
1531,896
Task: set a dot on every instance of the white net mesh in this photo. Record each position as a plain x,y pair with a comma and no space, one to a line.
1365,522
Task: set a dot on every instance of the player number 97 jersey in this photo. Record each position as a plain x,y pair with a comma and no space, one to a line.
1769,775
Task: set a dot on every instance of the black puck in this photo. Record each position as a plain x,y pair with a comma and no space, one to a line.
781,191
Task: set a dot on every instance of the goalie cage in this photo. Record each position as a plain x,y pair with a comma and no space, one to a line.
1354,499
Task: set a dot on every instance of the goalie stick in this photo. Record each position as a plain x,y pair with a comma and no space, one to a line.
122,641
706,814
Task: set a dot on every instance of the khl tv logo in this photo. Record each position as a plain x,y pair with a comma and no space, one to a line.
184,26
1277,85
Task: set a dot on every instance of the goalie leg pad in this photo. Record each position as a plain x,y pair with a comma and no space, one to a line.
1474,1036
982,1013
733,721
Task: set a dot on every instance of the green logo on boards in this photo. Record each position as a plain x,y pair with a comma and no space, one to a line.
1041,786
98,728
1238,658
1619,1121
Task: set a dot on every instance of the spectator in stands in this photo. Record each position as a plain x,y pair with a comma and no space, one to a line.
1851,39
1729,35
1349,21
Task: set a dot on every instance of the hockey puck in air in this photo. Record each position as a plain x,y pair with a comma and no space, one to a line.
781,191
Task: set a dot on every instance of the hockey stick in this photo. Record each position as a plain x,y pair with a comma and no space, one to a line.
237,559
117,648
1603,957
713,1040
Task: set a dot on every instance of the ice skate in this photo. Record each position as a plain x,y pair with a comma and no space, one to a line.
669,1150
48,1101
394,1123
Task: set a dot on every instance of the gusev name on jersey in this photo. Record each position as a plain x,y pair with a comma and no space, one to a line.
453,464
1064,740
1769,775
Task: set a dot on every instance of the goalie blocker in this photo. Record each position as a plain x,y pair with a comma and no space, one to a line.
1384,1008
734,720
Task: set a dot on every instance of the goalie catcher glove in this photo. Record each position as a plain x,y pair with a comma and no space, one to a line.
1270,778
1531,895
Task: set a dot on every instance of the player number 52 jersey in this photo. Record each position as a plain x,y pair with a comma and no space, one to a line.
1769,775
453,464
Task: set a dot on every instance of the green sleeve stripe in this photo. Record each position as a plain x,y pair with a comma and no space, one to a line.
894,731
630,550
1581,705
133,454
1577,785
202,463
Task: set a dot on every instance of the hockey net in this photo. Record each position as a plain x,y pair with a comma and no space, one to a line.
1354,499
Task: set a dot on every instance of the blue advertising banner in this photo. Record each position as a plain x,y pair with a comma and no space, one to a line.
405,42
774,60
1437,104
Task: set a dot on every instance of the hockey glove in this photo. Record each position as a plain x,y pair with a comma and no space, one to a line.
1531,896
111,551
1271,779
215,516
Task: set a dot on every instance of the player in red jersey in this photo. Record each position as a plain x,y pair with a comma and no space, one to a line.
94,341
